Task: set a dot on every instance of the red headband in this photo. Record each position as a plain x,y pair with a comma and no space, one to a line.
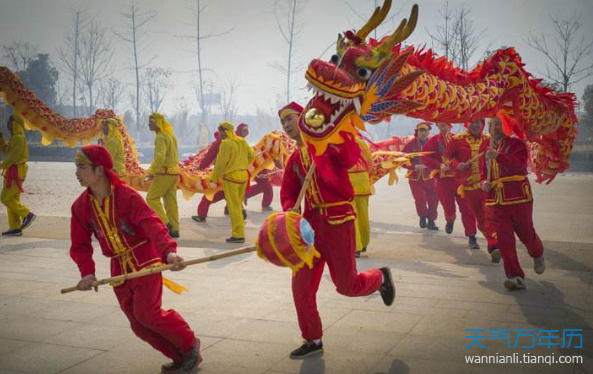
289,108
99,156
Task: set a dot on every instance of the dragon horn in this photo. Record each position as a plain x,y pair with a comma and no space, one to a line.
403,32
378,16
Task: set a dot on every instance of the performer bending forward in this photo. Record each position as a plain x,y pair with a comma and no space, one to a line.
133,236
329,210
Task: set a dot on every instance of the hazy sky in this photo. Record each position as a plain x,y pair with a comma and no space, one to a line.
246,53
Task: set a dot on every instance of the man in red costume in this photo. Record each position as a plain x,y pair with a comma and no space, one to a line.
447,184
132,235
329,210
509,201
461,155
422,185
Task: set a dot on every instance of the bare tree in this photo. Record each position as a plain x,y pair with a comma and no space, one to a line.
135,24
19,54
444,37
570,61
95,58
287,13
457,36
228,99
199,36
70,54
467,37
156,87
111,93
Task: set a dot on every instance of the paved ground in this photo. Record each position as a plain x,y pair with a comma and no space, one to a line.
241,308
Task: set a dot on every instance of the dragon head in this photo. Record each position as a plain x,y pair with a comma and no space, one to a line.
358,84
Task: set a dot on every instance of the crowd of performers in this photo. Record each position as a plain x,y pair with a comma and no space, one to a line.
485,175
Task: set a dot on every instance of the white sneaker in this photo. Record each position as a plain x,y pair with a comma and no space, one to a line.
515,283
539,265
495,256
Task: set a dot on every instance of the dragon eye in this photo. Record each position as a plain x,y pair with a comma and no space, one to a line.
335,59
364,73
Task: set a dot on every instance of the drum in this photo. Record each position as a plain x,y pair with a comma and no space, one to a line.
286,239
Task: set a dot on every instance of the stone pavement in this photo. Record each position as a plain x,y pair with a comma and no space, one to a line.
241,308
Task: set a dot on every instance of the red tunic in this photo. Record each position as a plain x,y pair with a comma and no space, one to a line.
509,173
462,148
333,201
436,144
412,146
143,237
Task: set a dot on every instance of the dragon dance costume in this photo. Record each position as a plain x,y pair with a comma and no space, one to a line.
132,235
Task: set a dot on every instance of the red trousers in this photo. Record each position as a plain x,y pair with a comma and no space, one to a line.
204,205
447,191
425,198
263,186
336,244
165,331
476,201
508,220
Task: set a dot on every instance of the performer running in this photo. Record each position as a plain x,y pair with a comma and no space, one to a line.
447,184
461,155
329,210
114,143
422,184
231,165
131,234
363,189
509,202
164,173
14,169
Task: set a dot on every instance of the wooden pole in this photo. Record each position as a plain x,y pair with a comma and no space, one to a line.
159,269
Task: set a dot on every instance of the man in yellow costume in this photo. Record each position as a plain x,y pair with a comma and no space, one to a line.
231,164
164,173
361,183
14,170
114,143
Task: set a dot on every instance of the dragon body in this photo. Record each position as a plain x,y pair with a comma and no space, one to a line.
367,81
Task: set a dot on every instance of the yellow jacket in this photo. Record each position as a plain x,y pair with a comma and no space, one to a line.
165,159
115,146
16,150
359,173
234,157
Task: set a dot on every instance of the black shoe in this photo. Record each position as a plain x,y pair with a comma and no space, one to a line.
357,254
473,243
422,222
15,232
232,239
244,214
387,289
192,358
226,210
198,218
174,234
364,250
307,349
449,227
267,209
432,226
172,367
28,220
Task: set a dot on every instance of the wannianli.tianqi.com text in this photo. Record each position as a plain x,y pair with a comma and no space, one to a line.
524,358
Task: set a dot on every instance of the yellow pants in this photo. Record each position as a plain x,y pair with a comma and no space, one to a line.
363,226
11,198
234,193
165,187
